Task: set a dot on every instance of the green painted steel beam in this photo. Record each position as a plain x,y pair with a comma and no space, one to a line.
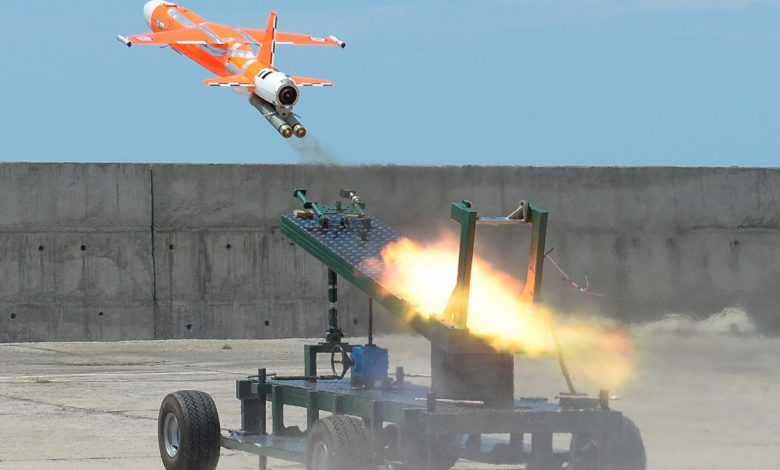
457,309
533,281
290,449
382,407
518,421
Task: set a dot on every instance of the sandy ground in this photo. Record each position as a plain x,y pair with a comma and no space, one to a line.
704,399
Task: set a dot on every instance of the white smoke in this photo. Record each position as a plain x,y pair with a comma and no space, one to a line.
733,321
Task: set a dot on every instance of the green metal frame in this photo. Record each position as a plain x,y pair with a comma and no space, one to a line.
449,332
457,310
310,352
381,408
375,410
535,417
537,217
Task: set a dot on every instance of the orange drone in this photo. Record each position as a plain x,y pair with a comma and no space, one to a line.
228,52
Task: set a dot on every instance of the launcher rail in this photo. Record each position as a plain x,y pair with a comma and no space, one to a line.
350,243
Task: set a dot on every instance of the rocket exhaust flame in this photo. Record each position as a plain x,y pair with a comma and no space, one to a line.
598,352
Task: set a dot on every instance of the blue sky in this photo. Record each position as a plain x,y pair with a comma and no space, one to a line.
515,82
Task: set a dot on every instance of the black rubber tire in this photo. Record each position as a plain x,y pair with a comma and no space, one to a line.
346,440
199,431
625,451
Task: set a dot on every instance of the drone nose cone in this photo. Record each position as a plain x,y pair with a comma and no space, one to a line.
149,9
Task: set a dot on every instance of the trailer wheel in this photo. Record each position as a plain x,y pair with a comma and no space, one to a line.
625,451
338,443
188,431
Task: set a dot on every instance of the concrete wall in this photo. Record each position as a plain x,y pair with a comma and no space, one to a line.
75,252
194,251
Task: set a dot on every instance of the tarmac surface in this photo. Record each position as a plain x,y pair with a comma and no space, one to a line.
704,399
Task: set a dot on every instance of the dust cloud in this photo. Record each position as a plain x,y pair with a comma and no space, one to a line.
706,392
734,321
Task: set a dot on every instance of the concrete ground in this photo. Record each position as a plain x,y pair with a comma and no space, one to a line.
704,400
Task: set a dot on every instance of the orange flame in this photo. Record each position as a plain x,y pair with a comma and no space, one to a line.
424,276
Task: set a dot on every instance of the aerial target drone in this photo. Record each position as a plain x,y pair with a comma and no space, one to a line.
228,53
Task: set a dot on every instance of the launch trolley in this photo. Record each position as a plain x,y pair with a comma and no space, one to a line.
371,419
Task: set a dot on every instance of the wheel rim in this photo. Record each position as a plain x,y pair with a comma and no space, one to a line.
171,435
319,457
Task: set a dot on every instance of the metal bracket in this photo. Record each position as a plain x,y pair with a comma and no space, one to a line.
518,216
458,306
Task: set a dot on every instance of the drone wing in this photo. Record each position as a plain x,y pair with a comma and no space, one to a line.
261,37
304,40
303,81
167,38
230,81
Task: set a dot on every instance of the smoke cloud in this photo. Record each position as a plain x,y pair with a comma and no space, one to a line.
733,321
311,151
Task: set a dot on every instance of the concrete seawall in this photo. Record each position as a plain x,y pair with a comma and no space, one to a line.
116,251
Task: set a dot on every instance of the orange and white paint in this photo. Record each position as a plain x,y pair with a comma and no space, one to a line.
240,57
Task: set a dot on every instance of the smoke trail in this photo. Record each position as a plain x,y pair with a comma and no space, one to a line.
311,151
